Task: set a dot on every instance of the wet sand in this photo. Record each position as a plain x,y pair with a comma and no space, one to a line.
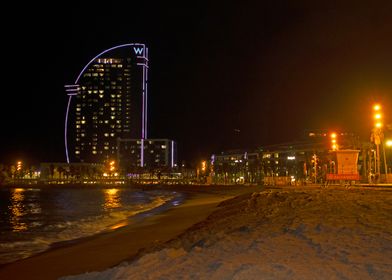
106,250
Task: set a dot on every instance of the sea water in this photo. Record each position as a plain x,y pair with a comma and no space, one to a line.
33,219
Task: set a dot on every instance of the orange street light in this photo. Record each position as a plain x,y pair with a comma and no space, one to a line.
377,107
203,165
388,143
334,136
378,124
378,116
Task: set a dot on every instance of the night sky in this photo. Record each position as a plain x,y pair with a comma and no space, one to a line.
222,75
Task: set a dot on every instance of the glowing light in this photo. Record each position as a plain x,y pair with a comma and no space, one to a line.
291,158
65,130
389,143
144,100
378,125
377,107
203,165
119,225
377,116
172,153
142,153
18,210
138,50
112,199
334,136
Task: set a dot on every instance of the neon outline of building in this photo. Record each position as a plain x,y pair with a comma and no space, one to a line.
72,90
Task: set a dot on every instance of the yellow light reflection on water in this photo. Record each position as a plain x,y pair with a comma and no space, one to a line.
112,199
17,210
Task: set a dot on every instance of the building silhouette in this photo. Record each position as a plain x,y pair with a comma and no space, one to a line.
108,102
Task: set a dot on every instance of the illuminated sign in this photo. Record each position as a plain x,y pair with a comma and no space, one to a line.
138,50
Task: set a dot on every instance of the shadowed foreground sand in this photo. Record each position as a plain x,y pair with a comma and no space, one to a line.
287,233
109,249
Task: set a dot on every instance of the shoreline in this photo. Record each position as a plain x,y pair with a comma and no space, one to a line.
108,249
277,233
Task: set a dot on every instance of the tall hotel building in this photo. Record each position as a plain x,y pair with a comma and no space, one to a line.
107,103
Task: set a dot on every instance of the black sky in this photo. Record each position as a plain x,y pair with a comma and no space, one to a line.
268,68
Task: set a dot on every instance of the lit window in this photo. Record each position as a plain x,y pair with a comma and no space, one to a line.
106,134
77,152
94,152
163,146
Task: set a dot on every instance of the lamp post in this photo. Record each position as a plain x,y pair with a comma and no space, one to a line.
334,144
377,137
387,144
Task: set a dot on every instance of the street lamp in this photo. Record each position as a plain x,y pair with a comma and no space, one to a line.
334,141
377,137
19,166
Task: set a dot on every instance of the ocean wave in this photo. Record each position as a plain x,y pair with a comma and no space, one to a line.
67,231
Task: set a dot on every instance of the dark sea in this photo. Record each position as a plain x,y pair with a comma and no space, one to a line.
34,219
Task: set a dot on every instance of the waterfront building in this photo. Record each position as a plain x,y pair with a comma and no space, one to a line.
107,102
151,154
309,159
235,167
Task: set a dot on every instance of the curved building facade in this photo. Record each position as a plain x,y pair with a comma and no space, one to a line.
107,102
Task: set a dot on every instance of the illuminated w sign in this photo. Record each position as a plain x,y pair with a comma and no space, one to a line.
138,50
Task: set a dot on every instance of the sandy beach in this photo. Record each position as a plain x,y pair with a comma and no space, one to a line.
280,233
103,251
238,233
